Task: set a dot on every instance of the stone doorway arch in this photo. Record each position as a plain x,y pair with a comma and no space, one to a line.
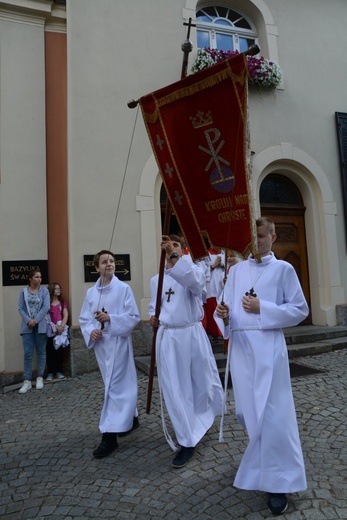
320,222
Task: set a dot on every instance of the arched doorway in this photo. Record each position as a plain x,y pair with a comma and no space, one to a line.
281,201
174,227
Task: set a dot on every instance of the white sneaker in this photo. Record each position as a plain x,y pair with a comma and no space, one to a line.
39,383
26,386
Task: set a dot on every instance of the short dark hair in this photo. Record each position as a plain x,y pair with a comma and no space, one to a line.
100,253
176,238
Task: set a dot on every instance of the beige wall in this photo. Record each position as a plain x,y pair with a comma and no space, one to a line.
109,63
23,185
297,128
117,51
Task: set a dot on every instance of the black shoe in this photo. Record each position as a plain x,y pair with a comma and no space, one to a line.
107,446
135,425
277,503
182,457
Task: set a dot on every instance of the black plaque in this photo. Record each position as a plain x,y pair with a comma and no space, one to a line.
15,272
122,268
341,122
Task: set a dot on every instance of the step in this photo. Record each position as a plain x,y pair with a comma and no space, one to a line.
295,350
312,333
317,347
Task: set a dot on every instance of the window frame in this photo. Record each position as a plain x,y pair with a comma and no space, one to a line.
234,32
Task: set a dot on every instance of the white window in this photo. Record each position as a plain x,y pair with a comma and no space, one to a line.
220,27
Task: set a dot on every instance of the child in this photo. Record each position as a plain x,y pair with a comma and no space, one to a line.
58,314
187,371
260,300
108,317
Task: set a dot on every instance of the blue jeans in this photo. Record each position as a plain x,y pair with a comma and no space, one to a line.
30,341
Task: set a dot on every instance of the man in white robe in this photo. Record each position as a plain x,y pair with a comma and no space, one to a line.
108,316
187,370
261,299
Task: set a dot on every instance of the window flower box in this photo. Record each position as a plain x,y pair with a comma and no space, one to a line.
262,72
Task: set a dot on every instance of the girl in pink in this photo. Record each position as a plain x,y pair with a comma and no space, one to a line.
58,315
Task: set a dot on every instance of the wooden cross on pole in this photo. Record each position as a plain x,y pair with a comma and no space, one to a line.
189,25
186,47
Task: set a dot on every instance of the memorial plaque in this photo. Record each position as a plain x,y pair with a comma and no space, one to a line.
122,268
15,272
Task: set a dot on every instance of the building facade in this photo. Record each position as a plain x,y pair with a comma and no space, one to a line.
77,171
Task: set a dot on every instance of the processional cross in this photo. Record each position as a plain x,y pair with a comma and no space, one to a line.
186,47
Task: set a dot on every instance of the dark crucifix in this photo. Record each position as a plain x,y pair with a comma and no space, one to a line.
169,293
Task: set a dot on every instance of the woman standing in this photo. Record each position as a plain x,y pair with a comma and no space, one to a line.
59,316
33,306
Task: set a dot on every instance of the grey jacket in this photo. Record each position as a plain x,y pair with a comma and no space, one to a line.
40,317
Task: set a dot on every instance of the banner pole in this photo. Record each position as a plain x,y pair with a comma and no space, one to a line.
166,228
186,47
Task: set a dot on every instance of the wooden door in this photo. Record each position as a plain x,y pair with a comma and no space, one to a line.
290,244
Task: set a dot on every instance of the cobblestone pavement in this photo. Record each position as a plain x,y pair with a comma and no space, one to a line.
47,469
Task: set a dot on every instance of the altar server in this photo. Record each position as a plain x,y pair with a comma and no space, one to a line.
187,371
261,299
108,317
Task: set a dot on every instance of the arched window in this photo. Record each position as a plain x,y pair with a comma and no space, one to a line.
279,190
220,27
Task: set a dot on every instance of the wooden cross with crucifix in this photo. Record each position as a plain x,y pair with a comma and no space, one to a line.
251,293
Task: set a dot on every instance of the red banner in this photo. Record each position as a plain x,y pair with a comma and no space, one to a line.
197,129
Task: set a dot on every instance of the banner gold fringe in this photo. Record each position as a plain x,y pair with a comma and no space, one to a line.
193,89
152,118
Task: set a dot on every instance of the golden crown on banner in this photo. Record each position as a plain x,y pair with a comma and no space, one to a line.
201,119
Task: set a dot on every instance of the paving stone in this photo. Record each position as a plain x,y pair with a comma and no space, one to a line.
47,469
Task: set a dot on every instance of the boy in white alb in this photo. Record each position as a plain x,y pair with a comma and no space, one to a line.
108,317
187,370
261,299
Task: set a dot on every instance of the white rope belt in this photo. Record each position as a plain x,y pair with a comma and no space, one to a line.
160,333
226,377
178,326
251,327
